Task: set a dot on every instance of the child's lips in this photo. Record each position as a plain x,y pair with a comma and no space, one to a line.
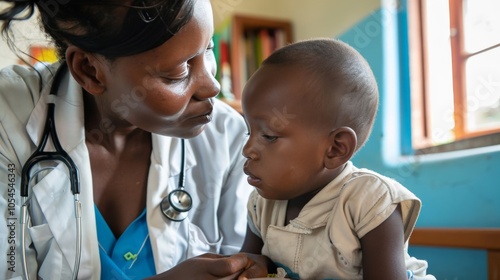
251,179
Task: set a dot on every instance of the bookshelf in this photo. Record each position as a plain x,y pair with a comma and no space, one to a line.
252,40
241,43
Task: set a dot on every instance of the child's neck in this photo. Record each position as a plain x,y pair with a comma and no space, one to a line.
295,205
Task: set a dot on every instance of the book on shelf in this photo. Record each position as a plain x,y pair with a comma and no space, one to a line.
242,43
221,40
258,45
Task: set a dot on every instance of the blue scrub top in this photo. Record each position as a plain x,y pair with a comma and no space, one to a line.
128,257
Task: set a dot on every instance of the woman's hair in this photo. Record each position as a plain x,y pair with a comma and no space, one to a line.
112,28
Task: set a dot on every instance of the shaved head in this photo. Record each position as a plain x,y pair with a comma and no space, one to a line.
342,85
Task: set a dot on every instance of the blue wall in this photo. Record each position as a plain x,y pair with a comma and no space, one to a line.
458,189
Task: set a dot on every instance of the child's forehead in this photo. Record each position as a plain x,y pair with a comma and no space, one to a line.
280,89
282,111
281,79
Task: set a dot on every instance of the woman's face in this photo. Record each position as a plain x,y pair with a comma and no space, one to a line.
167,90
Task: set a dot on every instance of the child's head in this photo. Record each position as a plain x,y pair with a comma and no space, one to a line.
309,108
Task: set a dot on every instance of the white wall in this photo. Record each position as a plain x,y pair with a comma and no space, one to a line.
26,33
313,18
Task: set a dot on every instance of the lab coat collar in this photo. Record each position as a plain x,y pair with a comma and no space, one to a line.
68,113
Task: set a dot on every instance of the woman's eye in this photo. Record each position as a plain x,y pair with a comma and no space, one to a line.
211,45
177,78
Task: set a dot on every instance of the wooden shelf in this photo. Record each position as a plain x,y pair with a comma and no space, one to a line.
239,25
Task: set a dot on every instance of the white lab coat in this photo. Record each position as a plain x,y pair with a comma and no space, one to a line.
214,178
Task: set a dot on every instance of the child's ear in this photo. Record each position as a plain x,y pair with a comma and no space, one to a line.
342,145
87,70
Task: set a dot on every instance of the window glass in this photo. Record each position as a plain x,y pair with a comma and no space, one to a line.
483,91
439,87
455,66
481,23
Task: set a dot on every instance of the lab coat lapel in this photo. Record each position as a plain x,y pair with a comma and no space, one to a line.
165,163
53,192
68,114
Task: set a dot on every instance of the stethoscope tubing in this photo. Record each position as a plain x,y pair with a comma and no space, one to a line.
182,174
58,155
178,202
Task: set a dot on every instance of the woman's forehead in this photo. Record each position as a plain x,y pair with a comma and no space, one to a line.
190,41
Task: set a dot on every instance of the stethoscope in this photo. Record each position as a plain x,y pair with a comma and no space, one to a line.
58,155
175,205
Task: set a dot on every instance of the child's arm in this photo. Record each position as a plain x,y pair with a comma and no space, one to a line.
383,250
252,246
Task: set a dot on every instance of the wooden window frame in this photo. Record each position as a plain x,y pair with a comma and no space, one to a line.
420,118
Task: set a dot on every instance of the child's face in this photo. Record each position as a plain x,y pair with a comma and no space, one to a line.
287,144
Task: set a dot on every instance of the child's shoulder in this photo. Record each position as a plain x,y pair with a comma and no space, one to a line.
364,184
362,178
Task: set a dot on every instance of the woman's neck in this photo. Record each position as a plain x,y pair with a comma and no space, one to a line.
106,129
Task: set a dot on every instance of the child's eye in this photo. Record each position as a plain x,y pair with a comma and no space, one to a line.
269,138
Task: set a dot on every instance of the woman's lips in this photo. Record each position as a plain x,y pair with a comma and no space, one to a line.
204,117
207,116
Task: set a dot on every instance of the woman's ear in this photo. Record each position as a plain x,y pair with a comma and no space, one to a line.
87,70
342,145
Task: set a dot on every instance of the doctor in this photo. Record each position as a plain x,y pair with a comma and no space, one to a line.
139,77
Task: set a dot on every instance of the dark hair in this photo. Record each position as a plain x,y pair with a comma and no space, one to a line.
111,28
347,87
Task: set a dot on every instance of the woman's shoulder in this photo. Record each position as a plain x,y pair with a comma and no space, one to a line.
226,132
222,107
21,84
226,119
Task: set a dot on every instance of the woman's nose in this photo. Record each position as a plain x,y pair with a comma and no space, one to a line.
209,87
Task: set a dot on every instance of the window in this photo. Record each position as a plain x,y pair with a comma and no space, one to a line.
455,73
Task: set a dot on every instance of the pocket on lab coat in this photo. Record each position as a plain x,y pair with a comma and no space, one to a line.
40,236
49,256
199,244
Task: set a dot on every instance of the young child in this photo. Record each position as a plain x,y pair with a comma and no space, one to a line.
309,109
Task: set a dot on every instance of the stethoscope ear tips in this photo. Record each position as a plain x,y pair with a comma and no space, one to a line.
176,205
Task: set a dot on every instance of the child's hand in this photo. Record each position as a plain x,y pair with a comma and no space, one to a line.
208,266
257,266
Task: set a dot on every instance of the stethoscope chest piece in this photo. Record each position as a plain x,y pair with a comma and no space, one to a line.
176,205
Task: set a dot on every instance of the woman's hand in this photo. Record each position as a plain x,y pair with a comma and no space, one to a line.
211,266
